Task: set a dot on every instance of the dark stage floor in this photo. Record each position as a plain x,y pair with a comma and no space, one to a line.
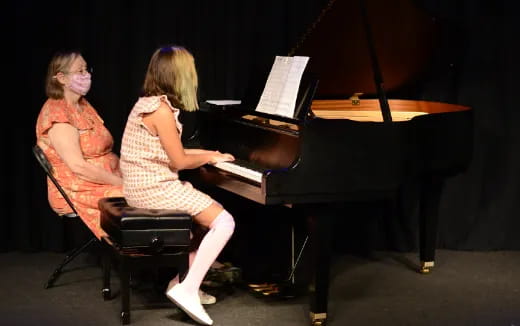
465,288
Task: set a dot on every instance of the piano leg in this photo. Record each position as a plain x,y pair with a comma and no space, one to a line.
431,189
319,223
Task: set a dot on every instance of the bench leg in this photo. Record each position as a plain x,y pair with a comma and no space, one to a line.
125,292
184,265
106,292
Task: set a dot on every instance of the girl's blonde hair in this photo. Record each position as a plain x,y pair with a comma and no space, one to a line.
172,72
60,62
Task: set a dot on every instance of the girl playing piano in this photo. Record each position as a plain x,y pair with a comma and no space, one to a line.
152,155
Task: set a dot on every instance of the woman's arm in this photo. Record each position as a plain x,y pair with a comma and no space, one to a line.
65,140
162,123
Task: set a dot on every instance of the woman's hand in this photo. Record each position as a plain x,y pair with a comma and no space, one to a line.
65,139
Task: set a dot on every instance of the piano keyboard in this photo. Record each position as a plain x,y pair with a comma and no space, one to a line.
236,168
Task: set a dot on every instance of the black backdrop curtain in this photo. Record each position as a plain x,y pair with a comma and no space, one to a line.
234,44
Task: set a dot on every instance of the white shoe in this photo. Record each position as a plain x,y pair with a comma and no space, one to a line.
205,298
191,306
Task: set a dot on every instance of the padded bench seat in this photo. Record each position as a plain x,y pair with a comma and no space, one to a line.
141,238
132,227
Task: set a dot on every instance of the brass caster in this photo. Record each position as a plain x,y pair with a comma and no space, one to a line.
318,319
426,266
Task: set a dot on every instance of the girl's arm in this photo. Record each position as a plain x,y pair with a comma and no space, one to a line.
196,151
162,123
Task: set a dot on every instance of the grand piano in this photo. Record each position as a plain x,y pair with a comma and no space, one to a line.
341,147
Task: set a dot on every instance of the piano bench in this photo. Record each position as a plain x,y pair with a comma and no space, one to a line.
140,238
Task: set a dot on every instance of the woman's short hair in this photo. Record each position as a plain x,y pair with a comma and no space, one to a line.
172,72
60,62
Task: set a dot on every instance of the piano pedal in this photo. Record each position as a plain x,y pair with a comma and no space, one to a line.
279,290
259,285
274,291
260,289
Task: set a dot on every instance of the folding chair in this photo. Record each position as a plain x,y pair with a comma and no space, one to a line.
47,167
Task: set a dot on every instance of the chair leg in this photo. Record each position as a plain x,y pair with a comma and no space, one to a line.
68,259
124,275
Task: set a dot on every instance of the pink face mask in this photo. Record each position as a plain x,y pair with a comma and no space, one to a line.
80,83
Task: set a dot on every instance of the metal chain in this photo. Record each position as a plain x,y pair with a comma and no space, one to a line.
312,27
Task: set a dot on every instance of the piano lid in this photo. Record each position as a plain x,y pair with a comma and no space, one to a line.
403,35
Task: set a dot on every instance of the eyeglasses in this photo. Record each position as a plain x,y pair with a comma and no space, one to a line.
82,71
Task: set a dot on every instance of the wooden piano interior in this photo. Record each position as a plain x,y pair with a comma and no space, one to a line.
369,109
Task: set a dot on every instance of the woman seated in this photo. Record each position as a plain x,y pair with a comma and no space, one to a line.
76,142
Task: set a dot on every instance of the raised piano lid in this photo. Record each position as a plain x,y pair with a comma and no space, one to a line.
403,34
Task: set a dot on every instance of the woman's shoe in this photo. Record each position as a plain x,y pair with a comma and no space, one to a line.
205,298
190,305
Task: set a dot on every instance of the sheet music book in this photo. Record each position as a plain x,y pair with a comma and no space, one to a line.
281,88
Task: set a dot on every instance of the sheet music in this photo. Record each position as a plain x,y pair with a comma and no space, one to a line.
281,88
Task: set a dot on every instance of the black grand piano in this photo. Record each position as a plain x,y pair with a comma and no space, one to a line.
339,147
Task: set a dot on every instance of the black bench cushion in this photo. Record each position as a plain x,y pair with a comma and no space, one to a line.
139,227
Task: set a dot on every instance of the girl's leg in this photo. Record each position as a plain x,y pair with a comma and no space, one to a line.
185,295
204,297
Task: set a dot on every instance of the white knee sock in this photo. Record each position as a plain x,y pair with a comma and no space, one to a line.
210,247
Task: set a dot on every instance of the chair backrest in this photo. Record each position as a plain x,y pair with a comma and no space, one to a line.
47,167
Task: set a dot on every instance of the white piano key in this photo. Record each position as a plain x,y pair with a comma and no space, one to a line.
240,170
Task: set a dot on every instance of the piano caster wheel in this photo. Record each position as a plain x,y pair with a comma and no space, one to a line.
425,267
318,319
125,318
106,294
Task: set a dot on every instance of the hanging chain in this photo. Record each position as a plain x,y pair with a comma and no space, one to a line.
312,27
